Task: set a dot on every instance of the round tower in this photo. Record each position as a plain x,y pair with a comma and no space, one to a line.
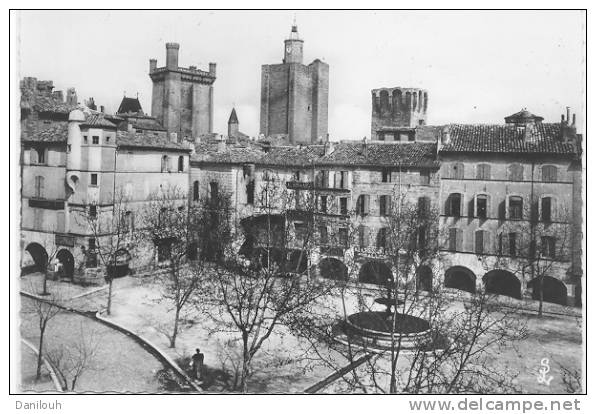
293,47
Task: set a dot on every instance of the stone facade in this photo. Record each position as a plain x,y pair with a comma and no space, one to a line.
294,96
396,111
182,99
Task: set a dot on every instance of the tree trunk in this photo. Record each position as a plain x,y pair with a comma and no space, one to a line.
109,307
175,332
245,364
45,282
541,295
39,354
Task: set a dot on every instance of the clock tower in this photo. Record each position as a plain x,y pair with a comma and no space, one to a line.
293,47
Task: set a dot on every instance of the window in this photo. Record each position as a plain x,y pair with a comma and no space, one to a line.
301,231
33,156
513,244
180,163
92,211
516,205
213,190
363,235
453,207
423,206
165,164
455,239
341,179
91,259
195,191
68,148
411,137
363,205
323,204
546,209
479,242
482,206
386,176
548,246
483,172
425,177
343,205
384,205
297,176
41,154
381,137
549,173
107,139
516,172
323,235
95,140
250,192
39,183
457,170
322,179
85,139
127,221
382,238
93,179
343,237
163,250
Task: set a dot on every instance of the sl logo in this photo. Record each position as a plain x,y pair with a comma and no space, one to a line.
545,369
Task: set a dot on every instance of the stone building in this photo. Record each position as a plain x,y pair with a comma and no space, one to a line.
397,112
75,164
294,96
182,99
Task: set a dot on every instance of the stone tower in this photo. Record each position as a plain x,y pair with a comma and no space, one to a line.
396,109
233,124
294,96
182,98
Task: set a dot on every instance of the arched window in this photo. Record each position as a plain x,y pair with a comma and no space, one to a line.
453,205
363,205
481,206
516,208
516,172
547,244
195,191
549,173
483,172
180,163
165,164
213,190
546,209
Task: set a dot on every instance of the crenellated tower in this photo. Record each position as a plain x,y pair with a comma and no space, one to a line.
394,110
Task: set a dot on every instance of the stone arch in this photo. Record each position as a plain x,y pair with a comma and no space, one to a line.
39,256
123,259
375,272
331,268
553,290
424,278
67,260
462,278
502,282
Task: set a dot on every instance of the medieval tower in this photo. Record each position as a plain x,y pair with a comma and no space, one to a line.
182,98
294,96
395,110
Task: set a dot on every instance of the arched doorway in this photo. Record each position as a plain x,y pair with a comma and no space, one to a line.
462,278
298,262
39,256
375,272
424,278
123,259
553,290
331,268
502,282
65,257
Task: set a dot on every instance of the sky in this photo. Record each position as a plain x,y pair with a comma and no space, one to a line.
477,66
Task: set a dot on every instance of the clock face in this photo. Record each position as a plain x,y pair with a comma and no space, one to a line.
288,49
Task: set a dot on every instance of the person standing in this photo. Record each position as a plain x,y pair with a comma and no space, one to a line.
197,365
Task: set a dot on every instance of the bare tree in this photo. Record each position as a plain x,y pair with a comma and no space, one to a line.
112,231
73,359
255,295
172,226
44,310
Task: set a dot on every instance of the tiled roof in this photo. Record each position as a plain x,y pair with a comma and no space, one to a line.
412,154
39,132
233,117
97,120
145,122
297,156
233,154
509,138
130,105
147,141
522,116
49,104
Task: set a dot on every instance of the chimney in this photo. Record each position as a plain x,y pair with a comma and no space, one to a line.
221,145
364,147
445,136
573,122
328,146
172,55
568,113
102,109
152,65
212,67
71,96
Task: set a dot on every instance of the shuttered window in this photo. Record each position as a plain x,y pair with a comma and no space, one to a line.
549,173
483,172
516,172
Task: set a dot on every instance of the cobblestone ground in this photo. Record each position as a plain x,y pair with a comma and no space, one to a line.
119,365
29,370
